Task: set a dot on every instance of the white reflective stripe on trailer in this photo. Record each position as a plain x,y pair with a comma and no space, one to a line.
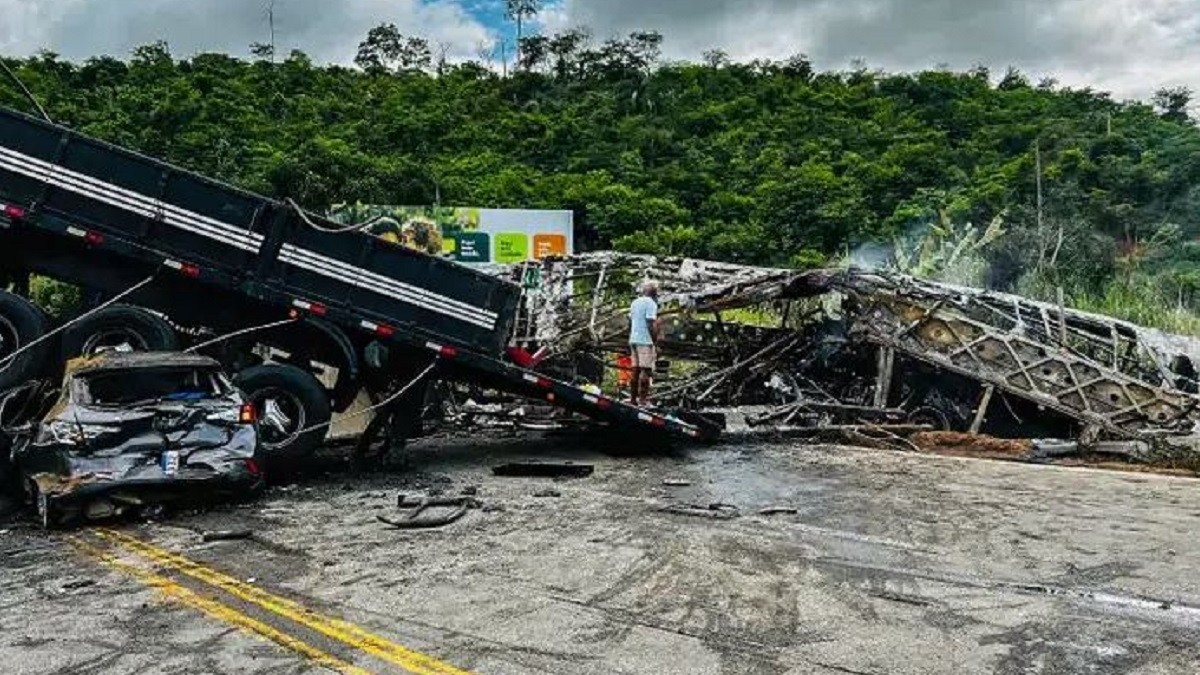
387,286
314,307
424,293
129,200
196,223
325,271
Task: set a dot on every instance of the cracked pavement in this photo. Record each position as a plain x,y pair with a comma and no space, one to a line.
891,563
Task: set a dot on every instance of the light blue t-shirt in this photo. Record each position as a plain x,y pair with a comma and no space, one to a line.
641,312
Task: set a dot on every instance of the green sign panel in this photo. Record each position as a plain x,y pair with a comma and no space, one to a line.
472,247
512,247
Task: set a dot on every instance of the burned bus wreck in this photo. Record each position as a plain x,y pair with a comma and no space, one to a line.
760,350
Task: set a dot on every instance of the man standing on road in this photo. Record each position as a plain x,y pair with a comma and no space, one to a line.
643,329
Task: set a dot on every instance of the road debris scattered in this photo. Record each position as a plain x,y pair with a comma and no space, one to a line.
715,511
77,584
544,470
416,517
778,511
226,535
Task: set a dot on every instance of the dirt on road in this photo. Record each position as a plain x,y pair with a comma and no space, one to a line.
773,559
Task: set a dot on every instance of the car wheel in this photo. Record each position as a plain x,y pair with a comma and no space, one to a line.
21,322
289,403
121,328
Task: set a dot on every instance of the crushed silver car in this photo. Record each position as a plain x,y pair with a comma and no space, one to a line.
137,431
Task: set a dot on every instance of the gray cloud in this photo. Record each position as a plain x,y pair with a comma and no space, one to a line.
1128,46
327,30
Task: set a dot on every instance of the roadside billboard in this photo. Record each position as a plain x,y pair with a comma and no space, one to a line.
468,235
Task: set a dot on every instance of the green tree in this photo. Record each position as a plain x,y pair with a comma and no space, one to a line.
1173,103
520,11
386,49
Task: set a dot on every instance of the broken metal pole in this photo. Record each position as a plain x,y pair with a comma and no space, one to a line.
1062,318
883,381
597,299
981,411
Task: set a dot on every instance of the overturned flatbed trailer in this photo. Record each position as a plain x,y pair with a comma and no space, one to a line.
192,258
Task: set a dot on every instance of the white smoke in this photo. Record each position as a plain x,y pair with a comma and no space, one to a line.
937,251
872,256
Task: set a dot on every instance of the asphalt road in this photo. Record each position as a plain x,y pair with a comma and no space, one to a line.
890,563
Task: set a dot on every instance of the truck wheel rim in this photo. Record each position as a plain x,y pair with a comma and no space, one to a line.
119,339
10,341
281,416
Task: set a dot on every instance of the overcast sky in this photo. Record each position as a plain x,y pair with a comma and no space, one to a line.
1130,47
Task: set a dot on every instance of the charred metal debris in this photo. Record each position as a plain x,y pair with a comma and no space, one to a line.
874,354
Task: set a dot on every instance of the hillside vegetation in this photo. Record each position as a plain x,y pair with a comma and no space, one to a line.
766,163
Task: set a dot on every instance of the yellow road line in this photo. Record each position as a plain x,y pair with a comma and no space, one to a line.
332,627
218,611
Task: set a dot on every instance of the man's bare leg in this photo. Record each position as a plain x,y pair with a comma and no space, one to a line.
646,374
635,385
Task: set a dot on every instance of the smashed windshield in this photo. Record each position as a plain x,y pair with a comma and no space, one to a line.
128,387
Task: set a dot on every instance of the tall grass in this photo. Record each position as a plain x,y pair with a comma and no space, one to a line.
1142,304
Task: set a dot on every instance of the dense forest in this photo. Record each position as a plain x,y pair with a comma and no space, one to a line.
975,176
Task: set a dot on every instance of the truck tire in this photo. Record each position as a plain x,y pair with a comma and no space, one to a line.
288,400
119,326
21,322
